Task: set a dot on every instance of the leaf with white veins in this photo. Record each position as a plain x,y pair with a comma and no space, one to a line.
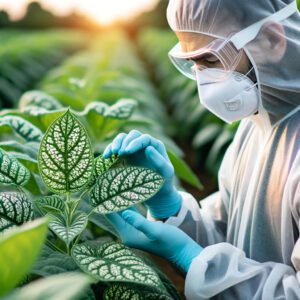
68,232
23,128
122,187
113,261
50,204
65,156
12,171
15,209
129,292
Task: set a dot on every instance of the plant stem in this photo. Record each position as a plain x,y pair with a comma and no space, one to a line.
69,218
91,212
53,247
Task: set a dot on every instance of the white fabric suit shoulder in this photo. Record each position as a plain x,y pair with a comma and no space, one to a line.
234,264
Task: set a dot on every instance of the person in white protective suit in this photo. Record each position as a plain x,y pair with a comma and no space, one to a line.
243,243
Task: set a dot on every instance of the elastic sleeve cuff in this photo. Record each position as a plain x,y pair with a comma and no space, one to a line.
189,203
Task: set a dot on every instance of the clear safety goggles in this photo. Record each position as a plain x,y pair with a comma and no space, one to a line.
226,52
220,51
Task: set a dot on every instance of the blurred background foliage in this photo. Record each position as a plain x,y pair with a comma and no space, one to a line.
26,61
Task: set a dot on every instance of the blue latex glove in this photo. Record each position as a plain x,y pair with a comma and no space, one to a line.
146,151
156,237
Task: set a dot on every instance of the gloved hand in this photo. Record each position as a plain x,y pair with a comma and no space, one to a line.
146,151
156,237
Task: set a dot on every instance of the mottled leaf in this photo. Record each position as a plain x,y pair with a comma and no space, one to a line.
19,248
67,286
23,128
102,165
50,204
122,187
65,156
113,261
68,232
129,292
123,109
39,99
15,209
12,171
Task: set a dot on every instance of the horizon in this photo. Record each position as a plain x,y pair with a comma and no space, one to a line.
102,11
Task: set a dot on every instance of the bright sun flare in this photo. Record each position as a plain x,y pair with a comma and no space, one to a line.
107,11
102,11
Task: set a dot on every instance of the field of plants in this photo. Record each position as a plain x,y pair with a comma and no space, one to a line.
64,97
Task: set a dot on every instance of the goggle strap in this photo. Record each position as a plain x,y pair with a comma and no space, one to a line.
248,34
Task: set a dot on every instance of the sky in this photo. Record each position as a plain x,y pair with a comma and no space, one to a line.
102,11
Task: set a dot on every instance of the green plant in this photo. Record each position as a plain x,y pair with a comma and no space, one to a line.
70,172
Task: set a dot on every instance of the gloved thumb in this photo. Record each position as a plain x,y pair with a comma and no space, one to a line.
139,222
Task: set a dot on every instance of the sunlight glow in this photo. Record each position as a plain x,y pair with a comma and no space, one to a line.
102,11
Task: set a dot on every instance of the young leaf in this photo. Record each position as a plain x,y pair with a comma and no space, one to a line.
113,261
122,187
67,286
23,128
15,209
104,164
12,171
19,248
128,292
65,156
68,232
50,204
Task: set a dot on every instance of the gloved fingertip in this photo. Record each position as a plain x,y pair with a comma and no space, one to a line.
126,215
106,154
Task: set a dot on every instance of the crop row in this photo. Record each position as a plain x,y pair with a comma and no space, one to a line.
25,58
51,165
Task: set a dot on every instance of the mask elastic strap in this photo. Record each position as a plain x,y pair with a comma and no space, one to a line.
249,71
246,35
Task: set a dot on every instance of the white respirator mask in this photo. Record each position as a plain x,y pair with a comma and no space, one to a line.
233,98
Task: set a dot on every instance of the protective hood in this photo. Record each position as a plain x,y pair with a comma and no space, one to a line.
277,70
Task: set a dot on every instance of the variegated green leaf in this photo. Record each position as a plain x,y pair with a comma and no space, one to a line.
122,187
50,204
104,164
65,156
129,292
67,232
12,171
101,165
15,209
23,128
123,109
113,261
39,99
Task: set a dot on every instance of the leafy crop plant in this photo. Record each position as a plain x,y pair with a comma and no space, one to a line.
70,172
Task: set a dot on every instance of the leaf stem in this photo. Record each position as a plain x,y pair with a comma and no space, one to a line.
54,247
69,218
